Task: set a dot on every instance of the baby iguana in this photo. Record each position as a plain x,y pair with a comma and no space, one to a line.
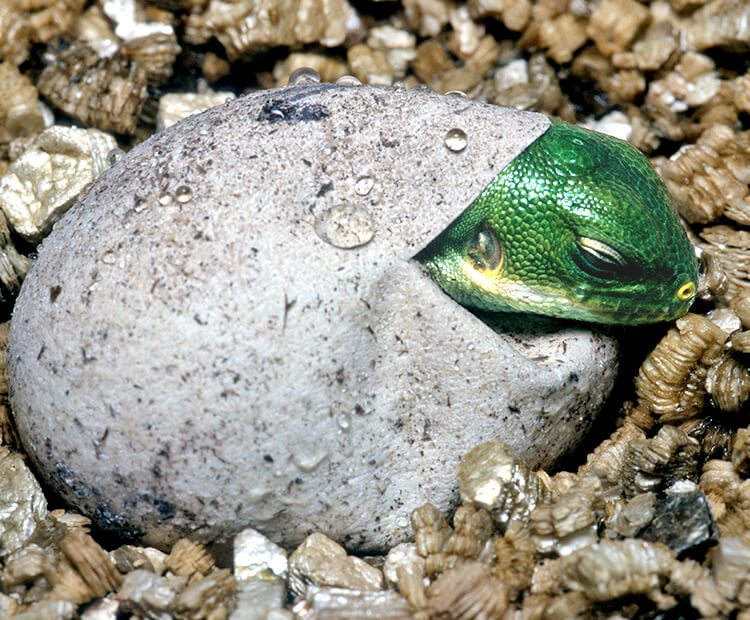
578,226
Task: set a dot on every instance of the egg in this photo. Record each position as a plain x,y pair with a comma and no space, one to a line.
229,329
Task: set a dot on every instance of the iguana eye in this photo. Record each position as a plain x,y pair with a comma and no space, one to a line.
485,251
601,261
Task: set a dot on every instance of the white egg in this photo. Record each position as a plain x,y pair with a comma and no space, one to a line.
229,330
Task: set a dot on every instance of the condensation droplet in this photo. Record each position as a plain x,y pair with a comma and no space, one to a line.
109,257
257,494
114,155
307,455
348,80
344,420
141,205
456,93
183,194
456,139
345,226
304,75
363,185
164,199
402,522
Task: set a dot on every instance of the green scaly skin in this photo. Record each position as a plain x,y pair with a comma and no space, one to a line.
549,224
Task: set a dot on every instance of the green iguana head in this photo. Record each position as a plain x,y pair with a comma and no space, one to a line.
578,226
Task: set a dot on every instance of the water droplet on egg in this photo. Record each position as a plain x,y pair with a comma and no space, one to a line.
183,194
345,226
164,199
258,494
109,257
456,139
307,455
348,80
363,185
344,420
114,155
304,75
456,93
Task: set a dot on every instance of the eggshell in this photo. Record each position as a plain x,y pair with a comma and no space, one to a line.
229,330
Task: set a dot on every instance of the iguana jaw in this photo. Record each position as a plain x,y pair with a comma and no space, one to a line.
502,294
